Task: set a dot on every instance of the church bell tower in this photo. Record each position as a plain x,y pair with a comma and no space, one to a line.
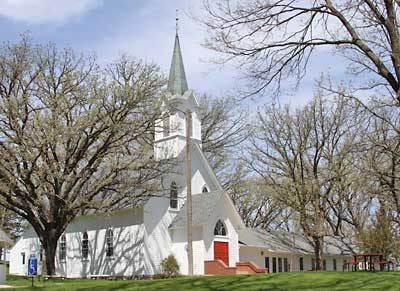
170,130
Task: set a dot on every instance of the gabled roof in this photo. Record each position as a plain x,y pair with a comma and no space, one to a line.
189,96
177,83
203,206
210,171
286,242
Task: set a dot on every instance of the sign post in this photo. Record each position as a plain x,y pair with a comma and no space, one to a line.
32,267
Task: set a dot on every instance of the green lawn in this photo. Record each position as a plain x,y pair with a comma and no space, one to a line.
324,281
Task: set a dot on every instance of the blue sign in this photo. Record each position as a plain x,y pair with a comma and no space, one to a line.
32,266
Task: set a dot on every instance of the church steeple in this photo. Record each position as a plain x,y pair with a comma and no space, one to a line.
170,141
177,83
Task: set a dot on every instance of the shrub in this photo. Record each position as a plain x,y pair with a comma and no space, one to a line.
170,266
159,276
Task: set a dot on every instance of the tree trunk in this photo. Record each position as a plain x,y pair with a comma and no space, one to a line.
49,243
318,248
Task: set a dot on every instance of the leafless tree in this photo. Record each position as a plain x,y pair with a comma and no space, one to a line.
275,39
73,136
302,155
382,160
255,202
224,127
11,223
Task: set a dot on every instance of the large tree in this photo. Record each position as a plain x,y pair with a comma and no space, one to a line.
273,40
382,160
303,155
380,235
255,202
73,136
224,128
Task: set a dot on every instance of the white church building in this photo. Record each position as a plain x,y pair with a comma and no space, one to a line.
133,242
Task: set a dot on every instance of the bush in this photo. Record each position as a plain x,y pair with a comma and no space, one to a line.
170,266
159,276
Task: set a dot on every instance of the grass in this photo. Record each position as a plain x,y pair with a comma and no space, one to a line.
312,281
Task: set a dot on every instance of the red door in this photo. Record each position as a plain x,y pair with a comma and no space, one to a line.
221,251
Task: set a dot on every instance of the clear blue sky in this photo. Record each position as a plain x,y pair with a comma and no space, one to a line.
142,28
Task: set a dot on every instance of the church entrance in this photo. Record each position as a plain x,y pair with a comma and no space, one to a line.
221,251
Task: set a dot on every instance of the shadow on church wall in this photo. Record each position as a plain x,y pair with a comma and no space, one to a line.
127,259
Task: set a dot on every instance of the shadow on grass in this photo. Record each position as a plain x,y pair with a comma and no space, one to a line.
324,281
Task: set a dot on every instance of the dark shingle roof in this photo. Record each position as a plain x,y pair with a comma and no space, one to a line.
265,239
281,241
203,205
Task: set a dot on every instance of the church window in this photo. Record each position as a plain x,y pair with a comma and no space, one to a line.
85,245
301,263
191,125
166,125
23,258
205,189
173,199
63,248
220,228
109,243
173,126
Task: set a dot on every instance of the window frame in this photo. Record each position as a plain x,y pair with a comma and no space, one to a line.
301,264
221,228
166,124
280,266
173,196
274,268
266,264
85,246
109,243
204,188
62,252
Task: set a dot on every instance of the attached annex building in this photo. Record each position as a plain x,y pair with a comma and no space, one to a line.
134,241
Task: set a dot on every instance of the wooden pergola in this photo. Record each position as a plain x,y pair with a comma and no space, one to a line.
368,262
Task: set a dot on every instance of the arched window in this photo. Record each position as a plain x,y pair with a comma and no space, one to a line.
173,196
204,190
109,243
62,248
220,228
166,125
85,245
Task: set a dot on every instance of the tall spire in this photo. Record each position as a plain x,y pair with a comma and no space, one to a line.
177,83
